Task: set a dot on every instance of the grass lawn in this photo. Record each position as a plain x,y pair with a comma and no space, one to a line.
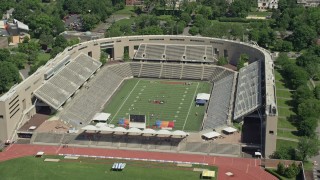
284,143
31,168
274,172
308,166
126,10
287,134
124,22
280,85
43,56
284,123
284,102
286,112
137,96
260,14
284,93
277,74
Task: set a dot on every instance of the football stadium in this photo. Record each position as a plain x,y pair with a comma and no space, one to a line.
170,96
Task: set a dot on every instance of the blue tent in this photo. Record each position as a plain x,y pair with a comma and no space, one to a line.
201,102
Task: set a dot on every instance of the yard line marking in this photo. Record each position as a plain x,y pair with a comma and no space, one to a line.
124,101
194,95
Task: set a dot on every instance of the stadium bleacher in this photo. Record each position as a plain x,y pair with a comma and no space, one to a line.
62,85
88,101
248,96
175,52
218,111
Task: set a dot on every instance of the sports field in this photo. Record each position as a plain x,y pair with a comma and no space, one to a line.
31,168
159,99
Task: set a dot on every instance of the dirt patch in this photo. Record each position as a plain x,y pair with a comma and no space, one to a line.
53,126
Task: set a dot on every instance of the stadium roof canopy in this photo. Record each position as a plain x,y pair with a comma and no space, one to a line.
101,117
230,130
203,96
211,135
65,82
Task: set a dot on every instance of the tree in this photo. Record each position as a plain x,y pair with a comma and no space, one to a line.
302,93
284,153
126,56
222,61
307,126
244,58
292,171
4,54
194,30
9,75
185,17
303,36
103,57
46,39
89,21
309,108
61,42
239,8
280,168
317,91
307,148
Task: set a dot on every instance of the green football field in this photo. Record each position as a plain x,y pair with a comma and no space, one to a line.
159,99
31,168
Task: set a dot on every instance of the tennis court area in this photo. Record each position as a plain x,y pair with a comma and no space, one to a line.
159,99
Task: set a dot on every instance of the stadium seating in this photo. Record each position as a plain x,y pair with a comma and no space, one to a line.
174,52
154,51
88,101
47,137
140,51
123,70
233,149
248,96
135,68
219,106
192,72
195,52
62,85
171,71
151,70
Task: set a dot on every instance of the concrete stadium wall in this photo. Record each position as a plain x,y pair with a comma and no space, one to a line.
16,104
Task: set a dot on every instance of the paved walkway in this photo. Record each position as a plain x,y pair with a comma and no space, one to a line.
242,168
288,139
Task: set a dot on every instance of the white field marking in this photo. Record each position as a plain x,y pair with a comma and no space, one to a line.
194,95
125,101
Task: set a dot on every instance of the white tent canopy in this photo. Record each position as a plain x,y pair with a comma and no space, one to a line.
210,135
179,133
101,117
134,131
163,133
105,129
203,96
119,130
90,128
148,131
230,130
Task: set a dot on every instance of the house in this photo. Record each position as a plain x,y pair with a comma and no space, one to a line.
267,4
17,31
309,3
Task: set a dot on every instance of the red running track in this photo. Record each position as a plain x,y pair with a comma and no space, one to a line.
242,168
